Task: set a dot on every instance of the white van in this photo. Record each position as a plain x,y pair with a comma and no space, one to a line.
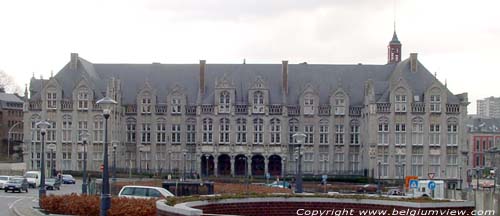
144,192
33,178
423,189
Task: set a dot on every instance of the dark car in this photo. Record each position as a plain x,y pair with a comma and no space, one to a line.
52,184
367,188
16,184
68,179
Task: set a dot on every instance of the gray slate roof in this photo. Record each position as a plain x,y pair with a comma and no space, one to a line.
5,97
323,78
483,125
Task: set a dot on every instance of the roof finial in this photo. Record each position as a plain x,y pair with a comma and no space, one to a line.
435,74
51,73
33,75
244,61
445,83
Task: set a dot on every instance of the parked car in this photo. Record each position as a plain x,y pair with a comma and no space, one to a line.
52,184
367,188
16,184
144,192
3,180
395,192
279,184
68,179
33,178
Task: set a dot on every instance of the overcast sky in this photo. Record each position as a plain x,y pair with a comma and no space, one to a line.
459,40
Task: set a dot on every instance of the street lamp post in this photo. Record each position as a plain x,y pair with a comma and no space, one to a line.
403,177
114,161
460,176
107,104
379,191
140,160
494,150
300,137
207,156
184,152
169,161
85,135
43,125
284,172
52,167
9,137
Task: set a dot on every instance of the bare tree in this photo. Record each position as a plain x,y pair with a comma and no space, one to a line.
7,84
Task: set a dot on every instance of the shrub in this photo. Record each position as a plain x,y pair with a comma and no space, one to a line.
74,204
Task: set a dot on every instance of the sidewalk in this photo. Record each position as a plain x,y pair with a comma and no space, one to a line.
25,207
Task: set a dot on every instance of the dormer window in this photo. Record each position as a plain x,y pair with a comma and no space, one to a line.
339,105
435,103
176,106
146,104
51,99
83,99
258,102
224,102
400,103
308,105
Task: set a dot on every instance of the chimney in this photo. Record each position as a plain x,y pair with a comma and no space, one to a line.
73,60
284,73
202,77
413,62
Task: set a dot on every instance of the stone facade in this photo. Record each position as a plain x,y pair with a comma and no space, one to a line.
11,117
238,117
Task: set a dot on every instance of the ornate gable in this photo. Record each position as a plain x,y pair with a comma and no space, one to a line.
224,82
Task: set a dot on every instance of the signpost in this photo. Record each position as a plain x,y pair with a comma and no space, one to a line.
432,185
323,181
431,175
413,184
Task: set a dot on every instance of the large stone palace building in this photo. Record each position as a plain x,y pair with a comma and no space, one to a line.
358,119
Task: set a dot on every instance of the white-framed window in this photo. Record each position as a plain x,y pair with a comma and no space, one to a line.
383,158
51,99
339,106
400,133
131,128
224,102
66,156
191,131
309,131
175,105
400,103
241,131
452,162
435,165
324,130
434,131
258,131
51,132
308,104
354,159
207,130
399,160
176,133
224,131
161,130
339,134
338,162
146,103
354,132
293,128
452,133
82,127
275,131
66,128
258,102
324,158
308,161
417,161
383,131
435,103
98,129
146,133
417,135
83,99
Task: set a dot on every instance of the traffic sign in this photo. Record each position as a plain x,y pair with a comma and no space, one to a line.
324,177
268,176
414,183
431,175
102,167
431,185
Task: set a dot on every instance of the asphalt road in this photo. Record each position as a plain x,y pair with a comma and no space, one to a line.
30,199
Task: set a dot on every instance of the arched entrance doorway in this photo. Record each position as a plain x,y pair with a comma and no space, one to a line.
274,165
240,165
205,165
258,165
224,165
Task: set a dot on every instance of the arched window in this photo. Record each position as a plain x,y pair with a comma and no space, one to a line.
224,102
275,131
83,98
224,131
241,131
258,131
207,130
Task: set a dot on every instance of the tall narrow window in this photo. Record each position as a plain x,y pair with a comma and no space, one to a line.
399,160
191,131
339,134
275,131
355,132
66,128
98,129
258,132
293,128
224,131
354,159
207,130
324,131
258,102
309,104
324,158
176,133
452,162
82,127
418,131
83,99
400,133
339,107
51,132
175,105
338,155
435,164
434,132
400,103
224,102
161,130
241,131
51,99
131,127
383,131
146,103
435,103
452,133
146,133
383,158
309,131
417,161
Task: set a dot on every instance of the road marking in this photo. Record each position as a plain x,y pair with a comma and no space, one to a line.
13,203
